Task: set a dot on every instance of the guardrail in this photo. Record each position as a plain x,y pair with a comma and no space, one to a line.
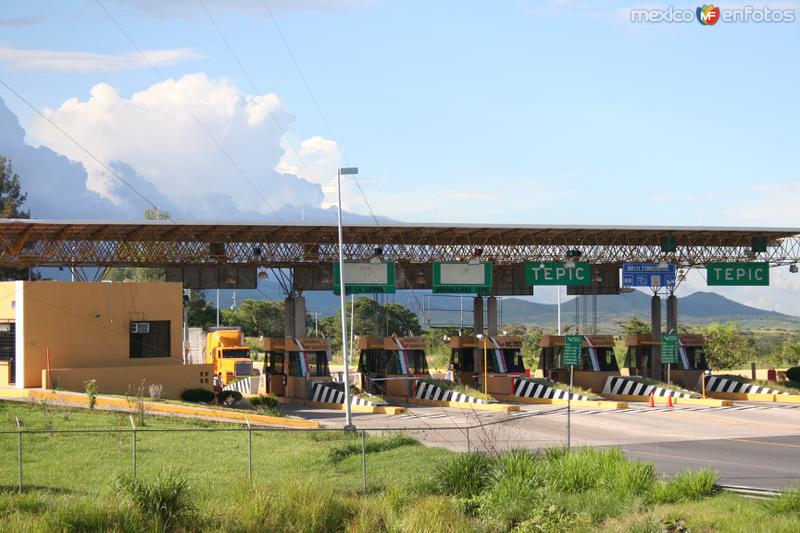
751,492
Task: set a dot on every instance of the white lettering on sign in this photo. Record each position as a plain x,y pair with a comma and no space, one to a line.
559,273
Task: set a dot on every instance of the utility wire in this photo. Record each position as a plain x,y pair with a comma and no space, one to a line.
193,115
319,108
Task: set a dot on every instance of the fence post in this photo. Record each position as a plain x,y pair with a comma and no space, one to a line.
19,452
364,458
133,435
249,451
468,446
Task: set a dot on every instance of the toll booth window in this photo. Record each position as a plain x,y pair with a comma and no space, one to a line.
550,358
697,358
418,361
274,363
514,361
150,339
318,364
295,368
607,360
372,361
464,358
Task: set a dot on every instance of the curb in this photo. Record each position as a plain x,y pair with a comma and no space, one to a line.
595,404
709,402
153,407
497,407
777,398
374,409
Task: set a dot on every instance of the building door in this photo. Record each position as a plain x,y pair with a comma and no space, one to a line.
8,347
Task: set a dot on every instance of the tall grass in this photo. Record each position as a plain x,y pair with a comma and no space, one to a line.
353,446
788,502
166,499
464,475
685,486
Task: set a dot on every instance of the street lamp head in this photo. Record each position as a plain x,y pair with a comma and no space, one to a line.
480,336
348,170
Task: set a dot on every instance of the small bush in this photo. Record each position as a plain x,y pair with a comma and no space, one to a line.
166,499
197,395
787,503
686,486
270,402
155,390
229,398
793,374
373,444
90,387
464,475
551,519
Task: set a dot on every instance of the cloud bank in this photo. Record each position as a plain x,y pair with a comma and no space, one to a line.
74,61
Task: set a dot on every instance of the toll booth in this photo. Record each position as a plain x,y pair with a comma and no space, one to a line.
292,365
686,373
598,361
391,365
503,357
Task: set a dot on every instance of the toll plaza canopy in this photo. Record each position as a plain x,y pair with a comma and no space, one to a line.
40,243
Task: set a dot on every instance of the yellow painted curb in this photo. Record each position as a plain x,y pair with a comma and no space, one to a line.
778,398
499,407
204,412
13,393
596,404
375,409
709,402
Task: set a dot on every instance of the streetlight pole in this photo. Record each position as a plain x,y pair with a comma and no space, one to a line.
348,416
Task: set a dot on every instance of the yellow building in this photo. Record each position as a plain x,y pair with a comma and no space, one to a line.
117,333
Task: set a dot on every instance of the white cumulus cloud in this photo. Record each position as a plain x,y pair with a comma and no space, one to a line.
153,133
76,61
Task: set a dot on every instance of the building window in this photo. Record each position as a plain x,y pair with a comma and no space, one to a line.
150,339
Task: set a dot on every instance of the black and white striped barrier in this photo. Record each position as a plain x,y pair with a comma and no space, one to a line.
247,385
429,391
623,386
527,388
324,393
724,384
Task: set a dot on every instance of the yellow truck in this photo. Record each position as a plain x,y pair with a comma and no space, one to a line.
225,350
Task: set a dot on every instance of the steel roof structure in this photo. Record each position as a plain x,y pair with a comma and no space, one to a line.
39,243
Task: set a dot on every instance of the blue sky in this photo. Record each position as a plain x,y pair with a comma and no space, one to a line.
500,112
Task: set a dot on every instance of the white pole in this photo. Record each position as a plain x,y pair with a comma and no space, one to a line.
558,304
569,410
352,321
217,307
348,419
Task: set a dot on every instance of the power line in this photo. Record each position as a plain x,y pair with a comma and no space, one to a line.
188,110
319,108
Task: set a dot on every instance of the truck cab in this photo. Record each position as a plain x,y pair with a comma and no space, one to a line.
226,351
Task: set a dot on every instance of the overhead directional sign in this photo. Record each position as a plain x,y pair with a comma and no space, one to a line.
648,275
462,278
365,278
669,348
555,273
738,274
572,350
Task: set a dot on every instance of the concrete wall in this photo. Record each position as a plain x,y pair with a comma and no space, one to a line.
121,380
87,325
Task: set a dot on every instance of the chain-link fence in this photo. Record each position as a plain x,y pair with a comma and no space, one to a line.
90,460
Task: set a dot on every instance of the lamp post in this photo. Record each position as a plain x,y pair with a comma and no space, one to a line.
348,416
485,367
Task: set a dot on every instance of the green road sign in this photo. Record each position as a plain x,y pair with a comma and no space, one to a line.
572,350
463,278
555,273
738,274
669,348
365,278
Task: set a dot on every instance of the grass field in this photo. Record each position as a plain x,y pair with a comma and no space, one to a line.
307,481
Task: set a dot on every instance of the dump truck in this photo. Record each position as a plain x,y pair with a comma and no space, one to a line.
225,350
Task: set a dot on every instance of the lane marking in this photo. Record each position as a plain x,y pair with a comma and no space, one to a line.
759,442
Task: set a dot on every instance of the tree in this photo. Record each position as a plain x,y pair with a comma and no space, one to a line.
11,200
257,318
201,313
726,347
633,326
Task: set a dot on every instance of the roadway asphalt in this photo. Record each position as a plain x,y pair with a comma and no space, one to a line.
752,444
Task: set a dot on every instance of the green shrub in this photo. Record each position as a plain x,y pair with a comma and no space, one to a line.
352,446
590,469
464,475
685,486
552,519
793,374
787,503
166,499
268,402
90,387
197,395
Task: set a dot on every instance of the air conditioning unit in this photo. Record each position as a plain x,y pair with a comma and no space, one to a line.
140,327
